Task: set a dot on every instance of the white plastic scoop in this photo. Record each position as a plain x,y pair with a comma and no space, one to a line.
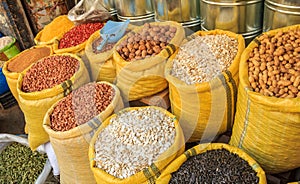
112,32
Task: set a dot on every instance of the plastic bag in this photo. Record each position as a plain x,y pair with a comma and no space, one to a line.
88,11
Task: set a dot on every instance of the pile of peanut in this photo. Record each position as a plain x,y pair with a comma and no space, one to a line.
203,58
274,65
49,72
133,140
147,42
81,105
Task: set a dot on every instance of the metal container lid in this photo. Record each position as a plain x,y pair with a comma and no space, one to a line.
291,7
285,3
231,2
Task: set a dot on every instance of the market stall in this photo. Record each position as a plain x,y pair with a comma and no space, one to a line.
154,91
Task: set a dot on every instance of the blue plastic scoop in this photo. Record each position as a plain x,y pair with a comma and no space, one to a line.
112,32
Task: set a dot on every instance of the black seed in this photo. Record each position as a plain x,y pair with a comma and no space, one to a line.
215,166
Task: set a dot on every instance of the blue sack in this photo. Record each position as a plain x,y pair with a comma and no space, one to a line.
3,84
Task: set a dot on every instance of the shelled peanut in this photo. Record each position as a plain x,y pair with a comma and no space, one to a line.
150,41
274,65
49,72
81,105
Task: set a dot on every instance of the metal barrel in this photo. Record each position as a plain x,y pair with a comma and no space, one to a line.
243,17
138,11
186,12
110,6
281,13
134,8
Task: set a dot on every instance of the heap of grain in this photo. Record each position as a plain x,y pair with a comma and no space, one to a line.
132,142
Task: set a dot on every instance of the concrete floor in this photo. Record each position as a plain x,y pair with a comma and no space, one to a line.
12,120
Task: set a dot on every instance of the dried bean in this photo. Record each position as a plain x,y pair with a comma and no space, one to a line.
49,72
80,106
149,37
133,140
203,58
18,164
78,34
215,166
282,64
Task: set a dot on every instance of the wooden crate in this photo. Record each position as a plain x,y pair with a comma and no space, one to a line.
160,99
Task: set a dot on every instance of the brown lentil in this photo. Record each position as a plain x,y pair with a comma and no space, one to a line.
81,105
49,72
147,42
204,57
274,65
26,58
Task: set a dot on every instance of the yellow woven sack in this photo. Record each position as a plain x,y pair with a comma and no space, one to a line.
12,77
267,128
206,109
59,26
202,148
102,65
148,175
71,147
142,78
35,104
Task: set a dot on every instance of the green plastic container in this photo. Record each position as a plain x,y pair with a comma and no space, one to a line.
10,50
